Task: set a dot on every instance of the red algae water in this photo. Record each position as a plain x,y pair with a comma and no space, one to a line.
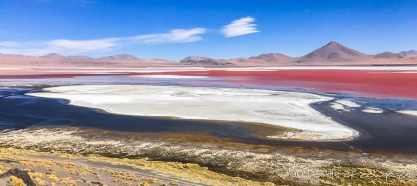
370,83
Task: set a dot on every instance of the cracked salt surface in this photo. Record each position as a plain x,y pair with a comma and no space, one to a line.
287,109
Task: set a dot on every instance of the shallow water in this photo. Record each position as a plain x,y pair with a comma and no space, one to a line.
386,132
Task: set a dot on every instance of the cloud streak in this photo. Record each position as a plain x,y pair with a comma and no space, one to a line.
174,36
106,44
82,45
240,27
8,44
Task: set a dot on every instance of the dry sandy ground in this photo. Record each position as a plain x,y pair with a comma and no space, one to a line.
65,169
286,109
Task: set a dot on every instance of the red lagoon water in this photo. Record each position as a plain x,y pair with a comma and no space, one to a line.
367,82
370,83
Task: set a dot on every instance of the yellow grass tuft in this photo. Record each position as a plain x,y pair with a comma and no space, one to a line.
39,182
17,181
143,184
53,177
173,183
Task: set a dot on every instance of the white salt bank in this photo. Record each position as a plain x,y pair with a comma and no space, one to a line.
373,110
409,112
287,109
338,107
348,103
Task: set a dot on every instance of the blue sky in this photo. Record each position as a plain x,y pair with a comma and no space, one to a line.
215,28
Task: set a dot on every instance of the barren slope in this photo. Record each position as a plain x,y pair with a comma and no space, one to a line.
332,52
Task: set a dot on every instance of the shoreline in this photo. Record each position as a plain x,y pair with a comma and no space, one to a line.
361,134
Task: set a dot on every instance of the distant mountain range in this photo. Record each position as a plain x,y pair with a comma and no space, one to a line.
272,57
204,61
332,53
408,53
13,55
387,55
121,57
59,56
53,56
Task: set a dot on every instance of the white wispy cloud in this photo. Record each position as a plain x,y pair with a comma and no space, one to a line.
67,46
174,36
82,45
240,27
9,44
64,46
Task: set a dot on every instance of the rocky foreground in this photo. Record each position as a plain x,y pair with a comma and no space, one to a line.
31,168
263,165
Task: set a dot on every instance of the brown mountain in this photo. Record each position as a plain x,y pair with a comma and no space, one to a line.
408,53
272,57
204,61
59,56
195,58
79,57
121,57
53,56
12,55
332,52
387,55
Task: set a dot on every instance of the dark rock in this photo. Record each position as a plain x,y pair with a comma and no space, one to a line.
19,174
